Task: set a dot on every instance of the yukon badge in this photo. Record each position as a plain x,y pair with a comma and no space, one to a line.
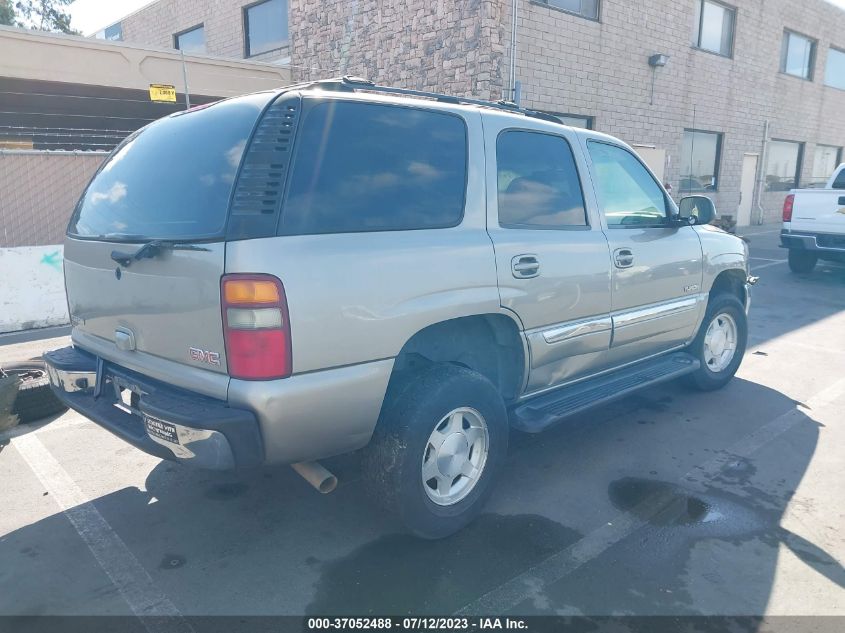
202,356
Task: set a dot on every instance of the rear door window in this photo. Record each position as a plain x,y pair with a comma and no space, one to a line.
538,186
172,180
372,167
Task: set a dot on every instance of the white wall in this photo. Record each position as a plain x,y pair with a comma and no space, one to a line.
32,288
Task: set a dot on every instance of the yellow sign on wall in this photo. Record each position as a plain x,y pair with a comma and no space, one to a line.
163,92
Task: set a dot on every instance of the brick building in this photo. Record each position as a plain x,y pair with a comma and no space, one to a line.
738,100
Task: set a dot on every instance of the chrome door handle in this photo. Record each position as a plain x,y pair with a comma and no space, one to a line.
525,266
623,257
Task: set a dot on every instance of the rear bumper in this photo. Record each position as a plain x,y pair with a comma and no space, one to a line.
161,420
822,243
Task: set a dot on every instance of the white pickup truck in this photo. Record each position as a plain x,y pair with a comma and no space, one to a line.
814,224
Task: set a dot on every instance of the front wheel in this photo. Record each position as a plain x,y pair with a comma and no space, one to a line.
441,439
720,343
802,261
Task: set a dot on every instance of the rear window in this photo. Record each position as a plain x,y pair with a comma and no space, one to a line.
171,180
369,167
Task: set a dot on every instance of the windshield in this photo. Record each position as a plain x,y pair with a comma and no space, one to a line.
173,179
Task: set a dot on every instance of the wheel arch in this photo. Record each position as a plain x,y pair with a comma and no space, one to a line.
730,281
491,344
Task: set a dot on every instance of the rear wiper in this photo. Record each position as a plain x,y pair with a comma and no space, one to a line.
151,249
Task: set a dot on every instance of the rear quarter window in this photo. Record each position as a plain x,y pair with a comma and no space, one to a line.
173,178
372,167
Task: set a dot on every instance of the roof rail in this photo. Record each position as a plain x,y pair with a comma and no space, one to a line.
348,83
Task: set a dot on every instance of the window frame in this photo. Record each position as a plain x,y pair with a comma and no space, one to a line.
841,51
587,226
591,120
245,23
799,163
545,4
308,104
179,34
667,200
717,167
784,55
838,161
697,44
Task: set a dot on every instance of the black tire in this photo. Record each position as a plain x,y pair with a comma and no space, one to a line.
705,379
35,398
393,462
802,261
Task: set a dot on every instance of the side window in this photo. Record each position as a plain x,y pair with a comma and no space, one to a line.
370,167
628,195
839,182
538,186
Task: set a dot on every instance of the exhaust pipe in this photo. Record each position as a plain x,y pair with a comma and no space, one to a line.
316,475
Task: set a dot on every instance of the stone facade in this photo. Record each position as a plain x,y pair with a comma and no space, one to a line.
567,64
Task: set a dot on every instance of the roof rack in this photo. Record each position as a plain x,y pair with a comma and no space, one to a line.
348,83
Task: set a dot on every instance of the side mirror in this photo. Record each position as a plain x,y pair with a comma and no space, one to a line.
699,208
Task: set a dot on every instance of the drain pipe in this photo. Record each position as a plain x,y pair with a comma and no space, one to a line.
761,169
316,475
512,79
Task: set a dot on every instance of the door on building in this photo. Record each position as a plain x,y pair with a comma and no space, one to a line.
654,157
552,259
746,189
657,267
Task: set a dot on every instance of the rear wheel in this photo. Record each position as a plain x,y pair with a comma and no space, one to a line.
35,399
720,343
802,261
441,439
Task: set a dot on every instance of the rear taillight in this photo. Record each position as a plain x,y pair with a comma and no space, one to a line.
787,207
256,327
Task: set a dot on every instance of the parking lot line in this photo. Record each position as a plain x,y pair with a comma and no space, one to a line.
557,566
136,586
779,261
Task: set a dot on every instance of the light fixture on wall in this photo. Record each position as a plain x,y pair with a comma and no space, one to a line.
658,60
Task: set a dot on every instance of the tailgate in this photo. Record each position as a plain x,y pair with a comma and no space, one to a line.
145,249
819,211
167,306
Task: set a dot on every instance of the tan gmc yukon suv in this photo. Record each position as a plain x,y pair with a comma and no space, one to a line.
295,274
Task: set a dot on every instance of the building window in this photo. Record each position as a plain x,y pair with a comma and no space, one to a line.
538,185
265,27
797,55
834,71
113,33
575,120
714,27
700,161
783,165
584,8
825,160
191,41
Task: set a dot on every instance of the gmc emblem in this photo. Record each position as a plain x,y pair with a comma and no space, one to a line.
202,356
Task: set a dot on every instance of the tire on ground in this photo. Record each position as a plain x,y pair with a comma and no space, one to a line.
393,461
802,261
35,399
704,378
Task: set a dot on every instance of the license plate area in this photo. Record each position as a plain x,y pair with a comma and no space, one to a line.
160,429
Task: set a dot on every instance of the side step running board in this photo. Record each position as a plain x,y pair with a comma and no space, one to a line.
541,412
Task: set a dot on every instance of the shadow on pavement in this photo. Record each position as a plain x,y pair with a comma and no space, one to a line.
264,543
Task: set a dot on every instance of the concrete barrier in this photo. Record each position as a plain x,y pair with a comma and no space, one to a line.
32,288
